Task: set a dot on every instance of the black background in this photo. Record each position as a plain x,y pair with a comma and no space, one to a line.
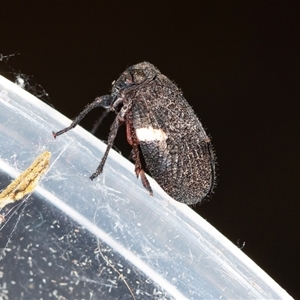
238,64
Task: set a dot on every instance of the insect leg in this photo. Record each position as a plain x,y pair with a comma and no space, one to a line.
103,101
139,171
134,142
112,135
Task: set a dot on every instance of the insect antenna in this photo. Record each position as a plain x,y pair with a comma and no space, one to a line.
99,121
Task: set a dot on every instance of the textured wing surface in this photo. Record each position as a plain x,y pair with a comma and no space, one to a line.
176,149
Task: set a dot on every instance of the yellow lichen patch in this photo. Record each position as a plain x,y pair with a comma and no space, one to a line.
26,182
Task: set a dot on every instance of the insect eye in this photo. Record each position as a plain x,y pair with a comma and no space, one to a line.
129,80
125,80
138,76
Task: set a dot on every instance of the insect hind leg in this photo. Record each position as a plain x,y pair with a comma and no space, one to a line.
133,141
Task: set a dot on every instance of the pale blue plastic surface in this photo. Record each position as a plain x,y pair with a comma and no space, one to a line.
169,251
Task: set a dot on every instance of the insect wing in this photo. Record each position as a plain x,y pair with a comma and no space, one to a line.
175,147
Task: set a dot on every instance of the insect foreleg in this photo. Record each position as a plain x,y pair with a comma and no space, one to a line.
103,101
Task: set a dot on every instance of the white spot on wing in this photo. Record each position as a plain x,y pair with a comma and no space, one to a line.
147,134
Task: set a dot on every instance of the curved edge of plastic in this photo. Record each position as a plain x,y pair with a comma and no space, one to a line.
164,239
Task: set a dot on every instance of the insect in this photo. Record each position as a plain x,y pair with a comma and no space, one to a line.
163,129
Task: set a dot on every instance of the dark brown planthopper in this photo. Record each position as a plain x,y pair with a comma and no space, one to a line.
162,128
